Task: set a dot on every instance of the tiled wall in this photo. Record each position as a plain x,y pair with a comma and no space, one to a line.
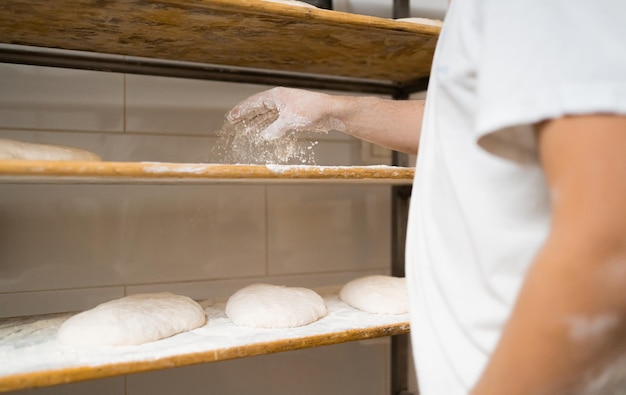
68,247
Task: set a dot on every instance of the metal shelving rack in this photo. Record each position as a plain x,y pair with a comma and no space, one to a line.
277,45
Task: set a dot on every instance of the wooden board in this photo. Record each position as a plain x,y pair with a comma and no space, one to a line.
243,33
18,171
38,360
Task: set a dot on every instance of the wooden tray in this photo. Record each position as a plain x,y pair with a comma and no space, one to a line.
37,359
16,171
243,33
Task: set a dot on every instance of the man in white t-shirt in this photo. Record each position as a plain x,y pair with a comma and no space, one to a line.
516,247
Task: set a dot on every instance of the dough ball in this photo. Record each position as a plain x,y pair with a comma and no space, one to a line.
132,320
377,294
11,149
274,306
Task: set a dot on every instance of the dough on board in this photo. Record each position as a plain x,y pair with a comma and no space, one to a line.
377,294
12,149
422,21
132,320
293,2
275,306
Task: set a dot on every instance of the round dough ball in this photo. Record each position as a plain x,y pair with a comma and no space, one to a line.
11,149
132,320
377,294
275,306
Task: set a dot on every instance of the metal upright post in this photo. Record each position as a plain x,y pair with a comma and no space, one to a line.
399,210
399,217
401,9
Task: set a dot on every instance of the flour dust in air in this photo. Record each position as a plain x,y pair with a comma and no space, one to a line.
245,143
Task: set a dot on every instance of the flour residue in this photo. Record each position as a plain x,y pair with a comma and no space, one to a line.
31,346
609,380
590,328
244,142
159,168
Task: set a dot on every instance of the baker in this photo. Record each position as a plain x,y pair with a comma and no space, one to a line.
516,246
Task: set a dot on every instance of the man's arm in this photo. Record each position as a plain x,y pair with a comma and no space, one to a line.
394,124
568,328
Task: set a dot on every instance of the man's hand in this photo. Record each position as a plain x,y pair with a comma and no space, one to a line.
394,124
279,110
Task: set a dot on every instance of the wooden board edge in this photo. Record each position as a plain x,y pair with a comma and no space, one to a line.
84,373
142,172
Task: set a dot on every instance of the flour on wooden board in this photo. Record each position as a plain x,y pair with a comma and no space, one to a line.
275,306
293,2
422,21
30,342
12,149
377,294
132,320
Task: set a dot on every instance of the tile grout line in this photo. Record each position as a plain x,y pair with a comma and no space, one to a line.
124,287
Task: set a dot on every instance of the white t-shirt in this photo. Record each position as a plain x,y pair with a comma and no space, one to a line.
480,209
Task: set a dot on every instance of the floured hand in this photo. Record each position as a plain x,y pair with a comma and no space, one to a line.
275,112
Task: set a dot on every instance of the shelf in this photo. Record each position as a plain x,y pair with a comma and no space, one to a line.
228,40
38,360
221,38
18,171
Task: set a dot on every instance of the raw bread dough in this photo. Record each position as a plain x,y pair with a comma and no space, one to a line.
422,21
377,294
275,306
132,320
11,149
293,2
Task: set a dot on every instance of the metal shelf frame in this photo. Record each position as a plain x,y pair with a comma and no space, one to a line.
78,59
82,60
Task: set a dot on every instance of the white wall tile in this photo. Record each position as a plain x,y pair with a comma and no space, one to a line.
128,147
112,386
152,148
336,153
218,291
334,228
16,304
351,368
64,236
49,98
180,106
